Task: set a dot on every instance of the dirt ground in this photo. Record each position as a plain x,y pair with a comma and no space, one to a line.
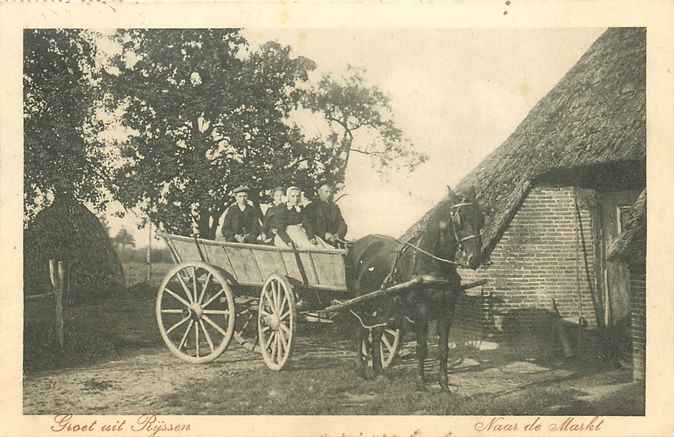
120,366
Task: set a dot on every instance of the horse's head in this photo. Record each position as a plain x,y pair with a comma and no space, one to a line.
465,221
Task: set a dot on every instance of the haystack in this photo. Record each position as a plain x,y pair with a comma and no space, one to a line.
68,231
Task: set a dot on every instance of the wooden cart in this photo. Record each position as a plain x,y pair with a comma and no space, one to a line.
219,291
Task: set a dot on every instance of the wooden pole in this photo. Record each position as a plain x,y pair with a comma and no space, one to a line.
148,255
58,294
419,280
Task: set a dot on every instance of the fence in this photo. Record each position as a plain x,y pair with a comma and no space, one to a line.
57,277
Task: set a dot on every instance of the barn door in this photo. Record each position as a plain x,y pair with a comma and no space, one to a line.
615,208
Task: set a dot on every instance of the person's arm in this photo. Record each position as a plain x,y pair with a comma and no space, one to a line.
281,225
308,222
227,228
341,224
255,224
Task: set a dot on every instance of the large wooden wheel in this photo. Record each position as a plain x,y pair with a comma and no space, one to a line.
276,322
389,346
195,312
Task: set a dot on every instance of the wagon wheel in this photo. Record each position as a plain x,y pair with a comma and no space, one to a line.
389,346
195,312
276,322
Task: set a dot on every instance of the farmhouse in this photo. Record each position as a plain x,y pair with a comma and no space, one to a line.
557,194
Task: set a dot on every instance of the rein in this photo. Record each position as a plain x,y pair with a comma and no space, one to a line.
427,253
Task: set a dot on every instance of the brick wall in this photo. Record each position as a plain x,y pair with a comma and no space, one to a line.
534,262
638,304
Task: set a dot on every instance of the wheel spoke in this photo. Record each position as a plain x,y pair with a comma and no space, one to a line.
212,323
385,341
216,312
187,291
285,329
274,348
274,293
194,283
182,341
285,315
215,296
196,338
285,339
172,311
269,340
280,335
203,290
178,298
172,328
207,335
269,294
279,347
264,313
283,303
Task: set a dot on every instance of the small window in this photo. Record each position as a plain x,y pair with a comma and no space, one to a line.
623,213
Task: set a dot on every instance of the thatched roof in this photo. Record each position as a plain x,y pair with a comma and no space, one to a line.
630,245
596,114
68,231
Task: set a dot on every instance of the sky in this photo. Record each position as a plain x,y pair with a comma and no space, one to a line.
456,93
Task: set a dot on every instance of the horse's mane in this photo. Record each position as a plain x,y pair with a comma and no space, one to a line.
430,232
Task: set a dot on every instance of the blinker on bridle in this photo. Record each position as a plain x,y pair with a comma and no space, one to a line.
455,211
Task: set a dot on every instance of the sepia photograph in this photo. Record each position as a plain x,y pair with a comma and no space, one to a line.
242,221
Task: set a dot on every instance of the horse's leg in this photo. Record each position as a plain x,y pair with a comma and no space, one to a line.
444,325
377,365
421,329
443,340
361,360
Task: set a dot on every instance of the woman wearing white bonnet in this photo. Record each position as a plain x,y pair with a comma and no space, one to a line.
291,231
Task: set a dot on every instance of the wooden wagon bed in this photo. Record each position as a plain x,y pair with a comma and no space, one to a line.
251,264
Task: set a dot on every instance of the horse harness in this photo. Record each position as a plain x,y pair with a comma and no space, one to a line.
392,276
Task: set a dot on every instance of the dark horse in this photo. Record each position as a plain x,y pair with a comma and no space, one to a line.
376,260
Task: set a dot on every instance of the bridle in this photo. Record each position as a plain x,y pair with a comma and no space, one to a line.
454,218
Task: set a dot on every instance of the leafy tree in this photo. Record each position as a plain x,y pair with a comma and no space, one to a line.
124,239
349,105
206,114
106,225
62,156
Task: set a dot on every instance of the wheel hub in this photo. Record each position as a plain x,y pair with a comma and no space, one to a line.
275,322
196,311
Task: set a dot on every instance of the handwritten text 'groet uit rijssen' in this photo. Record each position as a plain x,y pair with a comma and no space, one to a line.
148,425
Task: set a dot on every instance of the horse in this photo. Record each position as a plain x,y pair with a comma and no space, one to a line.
377,261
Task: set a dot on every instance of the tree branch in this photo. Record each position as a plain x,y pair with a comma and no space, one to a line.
367,152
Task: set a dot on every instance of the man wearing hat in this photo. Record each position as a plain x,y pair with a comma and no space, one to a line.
324,218
242,221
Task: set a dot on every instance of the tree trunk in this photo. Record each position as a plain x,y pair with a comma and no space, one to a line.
347,141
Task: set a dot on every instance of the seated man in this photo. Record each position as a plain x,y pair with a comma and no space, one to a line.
324,218
272,218
242,221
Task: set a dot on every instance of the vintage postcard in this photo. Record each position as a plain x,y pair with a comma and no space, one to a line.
337,219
